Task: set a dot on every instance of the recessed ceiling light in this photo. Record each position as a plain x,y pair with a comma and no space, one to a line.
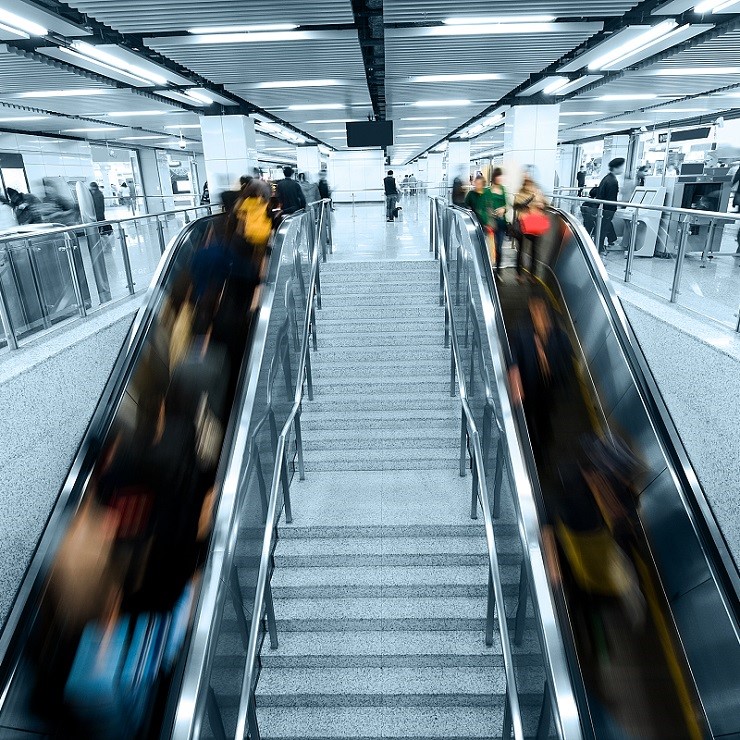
486,20
713,6
184,125
253,37
90,129
135,113
143,138
581,113
424,128
441,103
199,97
412,136
332,131
201,30
652,36
317,106
295,83
694,71
633,96
429,118
492,28
80,92
22,119
112,62
333,120
468,77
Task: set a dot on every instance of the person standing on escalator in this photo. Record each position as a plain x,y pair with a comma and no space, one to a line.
289,193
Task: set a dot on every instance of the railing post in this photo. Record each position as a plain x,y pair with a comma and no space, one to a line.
675,288
708,245
237,601
632,245
37,284
599,221
507,725
160,234
10,337
463,440
67,248
309,375
490,610
441,285
452,374
270,615
126,260
318,286
447,325
543,725
521,607
286,490
215,720
254,730
299,444
497,478
432,219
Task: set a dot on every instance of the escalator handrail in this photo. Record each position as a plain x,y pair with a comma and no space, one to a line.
246,699
191,703
81,467
563,695
719,558
511,693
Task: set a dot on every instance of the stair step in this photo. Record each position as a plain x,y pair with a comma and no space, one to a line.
427,299
392,336
384,649
346,270
378,316
414,581
388,686
333,403
365,614
326,357
371,723
365,370
474,528
411,419
390,458
382,439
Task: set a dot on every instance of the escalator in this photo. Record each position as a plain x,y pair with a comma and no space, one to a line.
105,636
643,588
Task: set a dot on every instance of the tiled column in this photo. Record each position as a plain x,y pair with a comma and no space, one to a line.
435,172
230,151
530,144
458,161
309,161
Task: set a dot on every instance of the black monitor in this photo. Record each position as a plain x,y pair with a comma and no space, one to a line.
369,133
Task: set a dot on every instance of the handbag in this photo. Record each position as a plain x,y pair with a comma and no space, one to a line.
534,223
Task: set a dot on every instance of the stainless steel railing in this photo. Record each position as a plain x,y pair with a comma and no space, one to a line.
50,275
680,232
455,230
246,513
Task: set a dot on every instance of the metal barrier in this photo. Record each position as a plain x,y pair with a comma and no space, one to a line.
49,275
691,231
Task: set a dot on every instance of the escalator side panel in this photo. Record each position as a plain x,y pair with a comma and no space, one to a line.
702,611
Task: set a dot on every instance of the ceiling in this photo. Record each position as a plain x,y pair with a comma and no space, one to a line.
131,71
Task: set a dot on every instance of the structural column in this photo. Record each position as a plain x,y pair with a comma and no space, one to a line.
309,161
230,151
531,144
435,173
458,160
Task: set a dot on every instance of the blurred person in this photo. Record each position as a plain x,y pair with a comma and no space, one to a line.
255,223
205,198
59,204
124,195
26,207
289,193
413,184
642,172
99,205
480,201
499,204
609,190
531,222
458,192
581,179
391,196
324,189
310,189
590,212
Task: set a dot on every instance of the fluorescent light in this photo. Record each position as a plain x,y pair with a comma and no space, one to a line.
470,77
245,38
14,23
713,6
634,96
487,20
81,92
90,129
317,106
681,110
135,113
582,113
204,30
112,62
184,125
655,34
428,118
333,120
144,138
15,31
199,97
22,119
694,71
412,136
492,28
441,103
425,128
332,131
555,85
295,83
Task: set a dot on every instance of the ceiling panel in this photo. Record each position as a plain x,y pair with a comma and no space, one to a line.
435,11
146,16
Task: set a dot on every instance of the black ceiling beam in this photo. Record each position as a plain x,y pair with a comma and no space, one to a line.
103,33
371,33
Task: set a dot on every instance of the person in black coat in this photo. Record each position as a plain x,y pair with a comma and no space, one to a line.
289,193
609,190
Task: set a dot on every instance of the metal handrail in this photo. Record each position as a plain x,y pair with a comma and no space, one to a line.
108,222
246,711
558,674
641,207
494,572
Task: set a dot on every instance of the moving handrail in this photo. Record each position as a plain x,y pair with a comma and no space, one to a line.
561,697
247,713
512,711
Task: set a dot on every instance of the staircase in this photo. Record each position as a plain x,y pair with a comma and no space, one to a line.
380,583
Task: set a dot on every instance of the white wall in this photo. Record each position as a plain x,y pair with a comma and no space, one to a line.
357,175
46,157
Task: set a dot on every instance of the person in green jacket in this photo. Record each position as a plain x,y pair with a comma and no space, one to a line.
500,224
480,200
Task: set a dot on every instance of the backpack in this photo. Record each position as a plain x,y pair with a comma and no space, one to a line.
256,225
